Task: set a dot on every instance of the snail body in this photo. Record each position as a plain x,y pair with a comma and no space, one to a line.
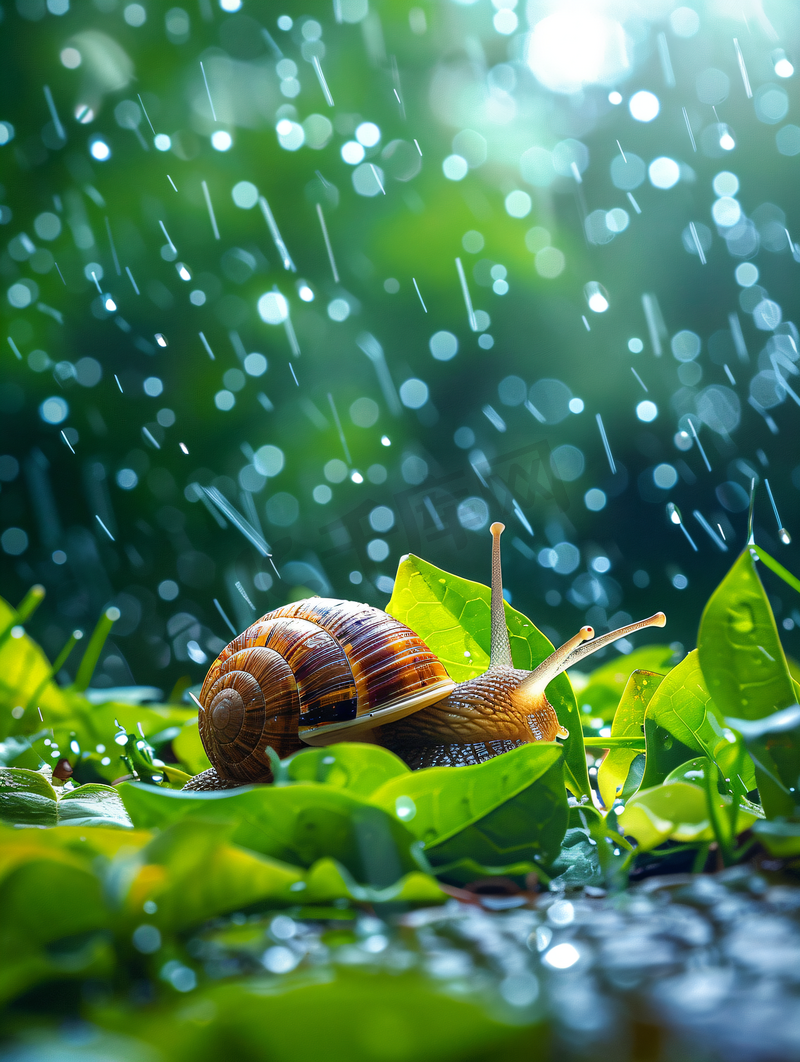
324,670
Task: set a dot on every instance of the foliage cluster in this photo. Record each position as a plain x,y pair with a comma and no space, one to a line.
108,884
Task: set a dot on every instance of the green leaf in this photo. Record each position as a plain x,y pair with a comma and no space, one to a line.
680,720
781,839
599,692
192,873
510,809
677,811
748,675
296,824
189,748
359,768
628,722
27,798
51,910
453,617
740,651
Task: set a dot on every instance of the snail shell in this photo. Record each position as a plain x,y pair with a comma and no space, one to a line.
304,673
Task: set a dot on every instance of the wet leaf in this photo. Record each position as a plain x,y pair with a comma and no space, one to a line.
359,768
748,675
680,721
677,811
739,647
599,692
628,722
510,809
27,798
453,616
296,824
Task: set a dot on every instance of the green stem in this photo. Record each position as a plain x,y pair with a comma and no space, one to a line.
712,798
94,649
58,663
26,608
633,742
700,859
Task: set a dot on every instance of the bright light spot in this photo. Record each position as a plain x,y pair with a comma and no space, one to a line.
443,346
224,400
54,410
726,212
160,339
573,48
99,150
562,956
617,220
356,477
644,106
368,134
594,500
245,195
413,394
783,68
518,204
230,5
269,460
109,303
665,476
596,297
322,494
135,15
726,141
664,172
339,310
197,297
647,411
71,58
385,440
305,293
601,564
183,271
353,152
576,405
614,98
162,142
221,141
255,364
153,386
285,23
505,21
273,308
725,183
291,136
635,346
455,168
746,274
84,113
680,582
6,132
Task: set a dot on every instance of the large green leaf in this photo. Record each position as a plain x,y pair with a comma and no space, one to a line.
453,616
748,675
296,824
628,722
678,811
189,748
51,916
599,692
680,721
740,651
508,810
359,768
27,798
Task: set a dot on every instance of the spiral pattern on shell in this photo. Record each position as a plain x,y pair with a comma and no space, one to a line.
319,669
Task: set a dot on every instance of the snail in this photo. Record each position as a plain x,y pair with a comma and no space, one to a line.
323,670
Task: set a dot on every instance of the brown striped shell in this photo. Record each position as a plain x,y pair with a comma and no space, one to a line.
313,672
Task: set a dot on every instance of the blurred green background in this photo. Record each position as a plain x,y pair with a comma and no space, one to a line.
573,158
